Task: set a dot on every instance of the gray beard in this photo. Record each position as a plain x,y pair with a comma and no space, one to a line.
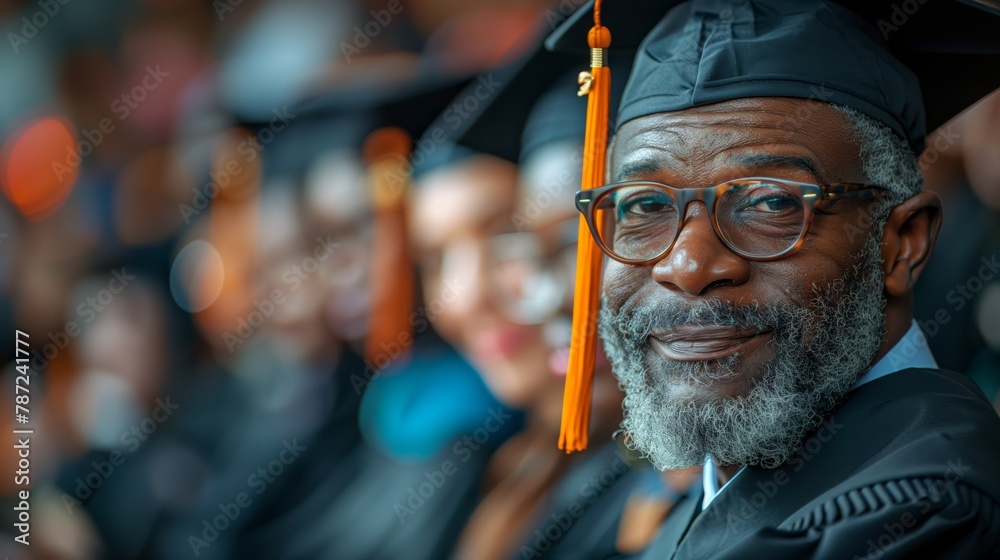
819,353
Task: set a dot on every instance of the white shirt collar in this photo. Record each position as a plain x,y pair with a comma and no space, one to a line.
910,352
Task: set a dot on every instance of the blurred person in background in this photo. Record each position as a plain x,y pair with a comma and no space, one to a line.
550,163
459,206
412,414
302,366
958,300
289,361
122,470
506,235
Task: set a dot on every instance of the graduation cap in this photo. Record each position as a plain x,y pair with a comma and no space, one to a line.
876,57
500,126
951,47
537,103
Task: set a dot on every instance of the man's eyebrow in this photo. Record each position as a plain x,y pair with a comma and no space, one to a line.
633,170
775,160
644,168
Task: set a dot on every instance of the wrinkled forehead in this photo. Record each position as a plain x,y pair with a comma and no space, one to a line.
812,140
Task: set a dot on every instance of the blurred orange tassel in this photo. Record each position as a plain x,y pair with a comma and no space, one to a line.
387,152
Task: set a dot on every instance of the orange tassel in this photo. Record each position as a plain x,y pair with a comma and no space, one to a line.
583,344
387,153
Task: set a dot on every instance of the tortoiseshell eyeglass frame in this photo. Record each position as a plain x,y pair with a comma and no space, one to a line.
810,195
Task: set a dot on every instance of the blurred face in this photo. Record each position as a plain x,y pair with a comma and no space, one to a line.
123,362
722,355
336,205
549,178
286,261
128,339
981,149
457,212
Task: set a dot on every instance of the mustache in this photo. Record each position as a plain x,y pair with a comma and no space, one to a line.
640,320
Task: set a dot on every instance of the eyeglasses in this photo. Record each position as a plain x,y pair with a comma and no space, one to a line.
757,218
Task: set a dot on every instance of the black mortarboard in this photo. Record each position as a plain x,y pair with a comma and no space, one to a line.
912,70
536,104
499,127
410,104
558,115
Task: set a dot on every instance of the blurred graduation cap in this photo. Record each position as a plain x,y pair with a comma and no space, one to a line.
536,104
378,118
499,128
387,110
399,114
909,70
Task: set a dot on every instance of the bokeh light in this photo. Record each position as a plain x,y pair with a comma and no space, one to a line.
40,166
196,276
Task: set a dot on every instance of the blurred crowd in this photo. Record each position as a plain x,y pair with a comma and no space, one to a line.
193,260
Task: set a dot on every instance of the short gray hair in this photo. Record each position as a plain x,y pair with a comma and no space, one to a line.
887,160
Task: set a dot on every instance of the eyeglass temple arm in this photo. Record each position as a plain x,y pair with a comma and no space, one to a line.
851,190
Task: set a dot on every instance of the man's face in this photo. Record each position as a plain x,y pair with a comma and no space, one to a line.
722,355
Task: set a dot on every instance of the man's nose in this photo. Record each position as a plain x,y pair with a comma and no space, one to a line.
699,261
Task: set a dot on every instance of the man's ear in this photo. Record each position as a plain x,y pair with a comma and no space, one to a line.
907,241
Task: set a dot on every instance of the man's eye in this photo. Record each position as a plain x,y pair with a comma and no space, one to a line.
775,204
771,202
644,205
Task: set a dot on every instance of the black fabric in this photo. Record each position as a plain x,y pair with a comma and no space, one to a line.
907,466
558,115
318,476
536,104
312,435
581,516
707,51
498,127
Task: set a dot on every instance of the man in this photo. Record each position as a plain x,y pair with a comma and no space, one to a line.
766,323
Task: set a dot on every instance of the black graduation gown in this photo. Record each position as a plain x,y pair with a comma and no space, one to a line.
908,466
580,518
